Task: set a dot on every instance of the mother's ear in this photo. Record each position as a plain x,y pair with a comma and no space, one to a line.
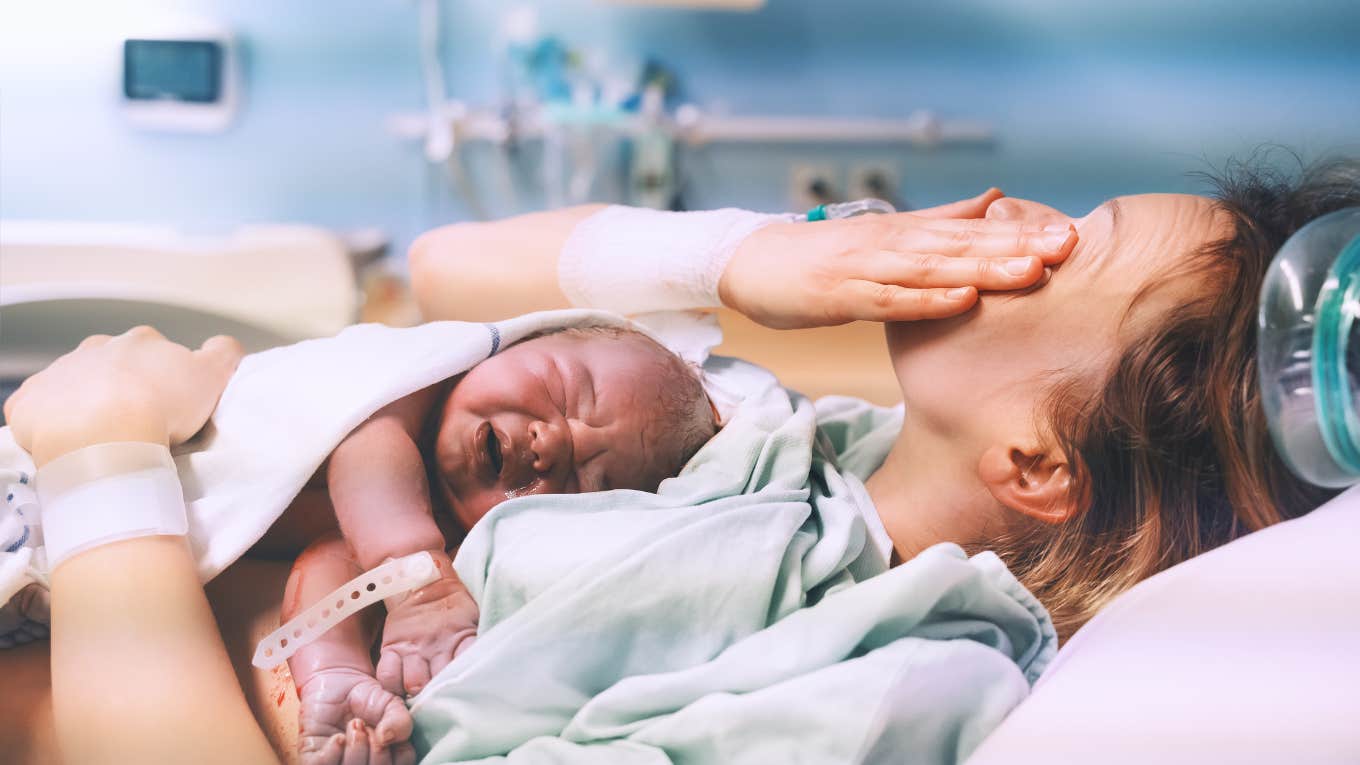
1030,480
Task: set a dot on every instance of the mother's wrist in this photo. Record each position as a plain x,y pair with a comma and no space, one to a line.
55,437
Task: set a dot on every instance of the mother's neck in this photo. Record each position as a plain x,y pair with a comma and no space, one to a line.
927,491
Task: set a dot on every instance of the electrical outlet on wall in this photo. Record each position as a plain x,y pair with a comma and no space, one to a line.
880,178
814,183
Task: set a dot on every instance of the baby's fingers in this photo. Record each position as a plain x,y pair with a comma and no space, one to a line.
442,659
395,725
388,672
313,751
356,744
415,673
403,754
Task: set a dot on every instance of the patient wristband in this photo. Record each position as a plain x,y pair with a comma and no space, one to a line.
107,493
391,578
633,260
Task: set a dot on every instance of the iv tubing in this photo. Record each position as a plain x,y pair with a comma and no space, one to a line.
838,210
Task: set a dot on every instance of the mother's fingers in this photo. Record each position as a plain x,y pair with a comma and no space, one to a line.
995,239
964,208
94,341
859,300
924,271
222,353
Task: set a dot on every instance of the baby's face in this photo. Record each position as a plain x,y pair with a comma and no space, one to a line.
555,415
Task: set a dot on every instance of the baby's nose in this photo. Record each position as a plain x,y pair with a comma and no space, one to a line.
549,445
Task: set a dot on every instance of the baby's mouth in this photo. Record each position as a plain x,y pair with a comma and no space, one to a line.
488,452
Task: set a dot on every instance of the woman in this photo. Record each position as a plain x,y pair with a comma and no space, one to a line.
1146,458
1100,429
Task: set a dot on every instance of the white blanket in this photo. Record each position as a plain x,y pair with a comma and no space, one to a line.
287,408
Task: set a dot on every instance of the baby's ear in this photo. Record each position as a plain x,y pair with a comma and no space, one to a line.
1031,480
717,415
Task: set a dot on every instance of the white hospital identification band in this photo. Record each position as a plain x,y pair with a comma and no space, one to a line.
107,493
632,260
391,578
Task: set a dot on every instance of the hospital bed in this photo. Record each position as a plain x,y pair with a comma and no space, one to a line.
264,285
1249,653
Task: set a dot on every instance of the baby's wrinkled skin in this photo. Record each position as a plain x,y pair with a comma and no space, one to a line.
559,414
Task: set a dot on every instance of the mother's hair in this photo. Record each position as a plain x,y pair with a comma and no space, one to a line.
1171,449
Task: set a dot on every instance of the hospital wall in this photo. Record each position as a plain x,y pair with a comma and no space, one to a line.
1088,100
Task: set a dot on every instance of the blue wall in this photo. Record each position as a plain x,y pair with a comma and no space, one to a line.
1089,100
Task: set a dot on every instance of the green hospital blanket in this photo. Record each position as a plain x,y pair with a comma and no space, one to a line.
742,614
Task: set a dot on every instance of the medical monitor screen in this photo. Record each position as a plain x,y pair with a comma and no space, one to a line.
176,70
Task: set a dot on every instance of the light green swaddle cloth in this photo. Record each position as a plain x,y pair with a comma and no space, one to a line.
744,613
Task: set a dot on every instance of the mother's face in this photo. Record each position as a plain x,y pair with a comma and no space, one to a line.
979,378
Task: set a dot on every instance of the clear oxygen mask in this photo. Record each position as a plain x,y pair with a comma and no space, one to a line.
1308,350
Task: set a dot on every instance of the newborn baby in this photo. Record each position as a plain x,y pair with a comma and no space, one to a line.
577,410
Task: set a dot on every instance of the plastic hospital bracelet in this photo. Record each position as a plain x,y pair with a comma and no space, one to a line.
107,493
391,578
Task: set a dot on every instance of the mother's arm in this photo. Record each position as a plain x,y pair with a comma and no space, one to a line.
139,671
921,265
488,271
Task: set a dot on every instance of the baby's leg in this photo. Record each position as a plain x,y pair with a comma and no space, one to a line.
343,706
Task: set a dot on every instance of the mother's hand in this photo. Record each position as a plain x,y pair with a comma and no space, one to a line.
928,264
137,386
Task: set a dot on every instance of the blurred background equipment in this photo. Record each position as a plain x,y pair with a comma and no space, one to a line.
396,116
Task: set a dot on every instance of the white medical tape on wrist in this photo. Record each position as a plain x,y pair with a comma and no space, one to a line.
632,260
391,578
107,493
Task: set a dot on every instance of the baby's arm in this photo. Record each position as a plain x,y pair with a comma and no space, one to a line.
382,501
345,713
376,478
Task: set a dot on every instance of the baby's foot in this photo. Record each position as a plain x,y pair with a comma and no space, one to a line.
347,716
424,632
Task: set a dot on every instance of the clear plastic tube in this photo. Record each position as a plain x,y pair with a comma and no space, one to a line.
838,210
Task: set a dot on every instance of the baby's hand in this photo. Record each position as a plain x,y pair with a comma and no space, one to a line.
425,631
348,717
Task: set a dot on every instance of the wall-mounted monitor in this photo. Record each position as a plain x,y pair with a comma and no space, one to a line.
181,80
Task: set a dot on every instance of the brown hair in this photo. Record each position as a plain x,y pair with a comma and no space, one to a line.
1172,454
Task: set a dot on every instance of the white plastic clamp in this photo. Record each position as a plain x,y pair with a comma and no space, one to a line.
391,578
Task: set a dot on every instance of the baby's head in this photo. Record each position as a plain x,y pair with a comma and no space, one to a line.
576,410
